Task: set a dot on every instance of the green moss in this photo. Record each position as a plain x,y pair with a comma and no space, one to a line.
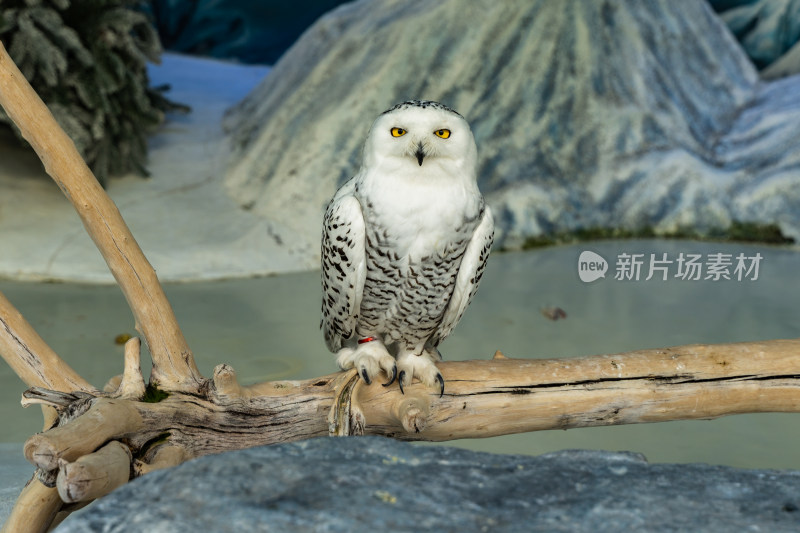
539,241
158,440
737,232
752,232
153,394
155,441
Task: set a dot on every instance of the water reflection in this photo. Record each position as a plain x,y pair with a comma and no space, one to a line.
268,329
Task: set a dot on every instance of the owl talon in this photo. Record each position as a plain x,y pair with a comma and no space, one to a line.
365,376
440,379
393,377
400,379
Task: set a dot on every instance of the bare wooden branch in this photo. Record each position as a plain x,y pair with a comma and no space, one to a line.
53,398
482,398
413,412
105,419
31,358
225,383
164,456
94,475
132,386
501,396
173,363
34,510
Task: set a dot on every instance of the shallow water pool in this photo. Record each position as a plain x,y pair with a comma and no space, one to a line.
267,328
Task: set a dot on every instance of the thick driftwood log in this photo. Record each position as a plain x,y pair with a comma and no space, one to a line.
173,363
482,398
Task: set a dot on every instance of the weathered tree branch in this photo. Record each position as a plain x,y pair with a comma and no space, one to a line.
483,398
173,363
31,358
35,509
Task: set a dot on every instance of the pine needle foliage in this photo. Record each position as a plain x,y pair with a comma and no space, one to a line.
87,60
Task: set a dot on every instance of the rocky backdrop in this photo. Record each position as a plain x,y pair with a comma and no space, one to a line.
610,113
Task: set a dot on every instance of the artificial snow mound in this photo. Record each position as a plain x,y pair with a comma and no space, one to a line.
607,113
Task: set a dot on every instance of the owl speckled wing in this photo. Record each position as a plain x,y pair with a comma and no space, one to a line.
469,276
343,267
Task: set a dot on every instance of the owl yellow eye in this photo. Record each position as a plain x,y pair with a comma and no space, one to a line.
444,134
398,132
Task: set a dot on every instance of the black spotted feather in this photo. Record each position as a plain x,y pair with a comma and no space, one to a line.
343,269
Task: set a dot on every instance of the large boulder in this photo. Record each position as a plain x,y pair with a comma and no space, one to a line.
376,484
605,113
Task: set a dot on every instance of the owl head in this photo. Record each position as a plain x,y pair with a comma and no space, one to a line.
420,133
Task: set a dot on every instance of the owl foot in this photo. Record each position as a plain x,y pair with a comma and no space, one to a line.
369,359
422,367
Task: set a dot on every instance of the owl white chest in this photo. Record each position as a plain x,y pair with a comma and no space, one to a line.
421,214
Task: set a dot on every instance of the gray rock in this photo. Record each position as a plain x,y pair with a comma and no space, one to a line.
377,484
615,113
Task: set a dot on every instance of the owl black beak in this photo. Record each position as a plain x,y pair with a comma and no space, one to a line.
420,154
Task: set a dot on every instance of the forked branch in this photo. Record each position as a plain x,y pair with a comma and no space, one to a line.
482,399
173,363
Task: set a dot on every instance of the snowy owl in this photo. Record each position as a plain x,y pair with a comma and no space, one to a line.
404,245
